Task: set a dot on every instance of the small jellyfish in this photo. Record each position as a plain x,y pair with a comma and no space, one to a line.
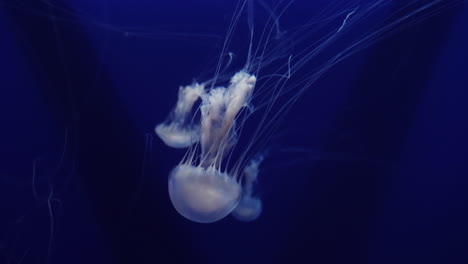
177,131
249,208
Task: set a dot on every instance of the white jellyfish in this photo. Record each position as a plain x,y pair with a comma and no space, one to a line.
198,188
207,185
177,131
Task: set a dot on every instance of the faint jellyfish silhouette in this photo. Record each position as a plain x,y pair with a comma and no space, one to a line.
249,207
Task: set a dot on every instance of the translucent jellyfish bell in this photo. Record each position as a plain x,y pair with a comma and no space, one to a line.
203,195
248,209
178,131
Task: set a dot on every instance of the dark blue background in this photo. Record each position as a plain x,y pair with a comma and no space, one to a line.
370,165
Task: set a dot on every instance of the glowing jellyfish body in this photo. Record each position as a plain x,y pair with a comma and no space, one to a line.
177,131
198,189
203,195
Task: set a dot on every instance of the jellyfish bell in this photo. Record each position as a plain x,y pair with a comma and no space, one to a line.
178,130
248,209
175,136
203,195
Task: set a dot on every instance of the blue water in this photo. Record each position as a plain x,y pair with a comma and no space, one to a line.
370,165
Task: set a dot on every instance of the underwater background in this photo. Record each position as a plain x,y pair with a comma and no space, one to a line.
369,166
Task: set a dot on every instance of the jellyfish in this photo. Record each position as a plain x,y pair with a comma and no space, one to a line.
249,207
210,182
198,188
177,131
